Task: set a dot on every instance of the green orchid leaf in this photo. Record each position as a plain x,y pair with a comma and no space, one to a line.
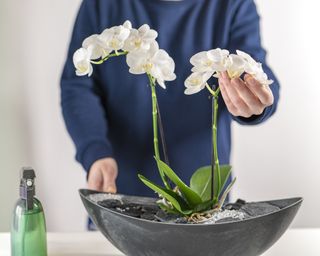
225,172
205,206
167,208
226,192
192,198
200,181
178,202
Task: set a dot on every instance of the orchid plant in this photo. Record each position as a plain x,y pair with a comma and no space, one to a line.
206,190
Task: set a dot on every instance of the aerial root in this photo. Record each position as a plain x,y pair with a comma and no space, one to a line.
203,216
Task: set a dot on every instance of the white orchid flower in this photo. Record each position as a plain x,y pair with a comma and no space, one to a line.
235,66
154,61
96,47
81,60
262,78
196,82
254,68
210,61
140,38
127,24
139,62
113,38
164,67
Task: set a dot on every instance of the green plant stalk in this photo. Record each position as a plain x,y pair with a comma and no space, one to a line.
162,137
215,166
155,121
154,115
116,54
215,146
155,126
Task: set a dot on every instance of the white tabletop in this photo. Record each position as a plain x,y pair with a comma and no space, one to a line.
295,242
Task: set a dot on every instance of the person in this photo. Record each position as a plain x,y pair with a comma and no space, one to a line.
109,116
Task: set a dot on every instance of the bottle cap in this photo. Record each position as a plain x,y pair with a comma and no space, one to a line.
27,187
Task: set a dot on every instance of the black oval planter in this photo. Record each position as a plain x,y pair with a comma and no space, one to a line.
138,237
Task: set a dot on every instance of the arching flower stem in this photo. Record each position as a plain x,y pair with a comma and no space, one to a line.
116,54
155,126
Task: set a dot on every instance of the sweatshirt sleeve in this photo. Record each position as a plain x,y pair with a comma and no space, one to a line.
245,36
81,101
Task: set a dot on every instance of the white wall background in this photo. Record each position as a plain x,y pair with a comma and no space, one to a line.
35,35
277,159
281,157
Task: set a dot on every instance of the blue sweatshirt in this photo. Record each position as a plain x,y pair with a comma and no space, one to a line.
109,114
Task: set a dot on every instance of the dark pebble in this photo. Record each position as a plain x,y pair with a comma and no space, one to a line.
147,216
132,212
110,203
147,212
181,221
241,202
166,217
235,206
161,215
133,205
258,209
150,208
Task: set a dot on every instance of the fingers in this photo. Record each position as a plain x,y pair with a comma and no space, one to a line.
242,108
244,98
230,106
109,179
103,175
263,93
95,179
237,98
222,80
255,106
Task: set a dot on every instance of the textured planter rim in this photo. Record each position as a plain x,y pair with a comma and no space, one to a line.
296,200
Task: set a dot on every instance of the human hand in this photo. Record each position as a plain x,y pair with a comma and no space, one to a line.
244,97
103,174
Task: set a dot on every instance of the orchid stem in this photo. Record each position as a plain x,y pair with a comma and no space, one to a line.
215,166
155,121
162,137
155,126
116,54
209,89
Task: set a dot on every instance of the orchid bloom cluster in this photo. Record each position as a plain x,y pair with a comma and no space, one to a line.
209,63
140,46
143,56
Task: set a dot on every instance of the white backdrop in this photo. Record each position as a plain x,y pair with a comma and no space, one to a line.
273,160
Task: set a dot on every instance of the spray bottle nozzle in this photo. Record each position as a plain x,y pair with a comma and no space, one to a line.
27,187
28,173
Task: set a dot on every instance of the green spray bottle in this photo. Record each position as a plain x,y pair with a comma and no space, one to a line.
28,231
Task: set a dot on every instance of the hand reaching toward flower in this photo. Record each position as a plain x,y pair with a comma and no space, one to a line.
244,97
